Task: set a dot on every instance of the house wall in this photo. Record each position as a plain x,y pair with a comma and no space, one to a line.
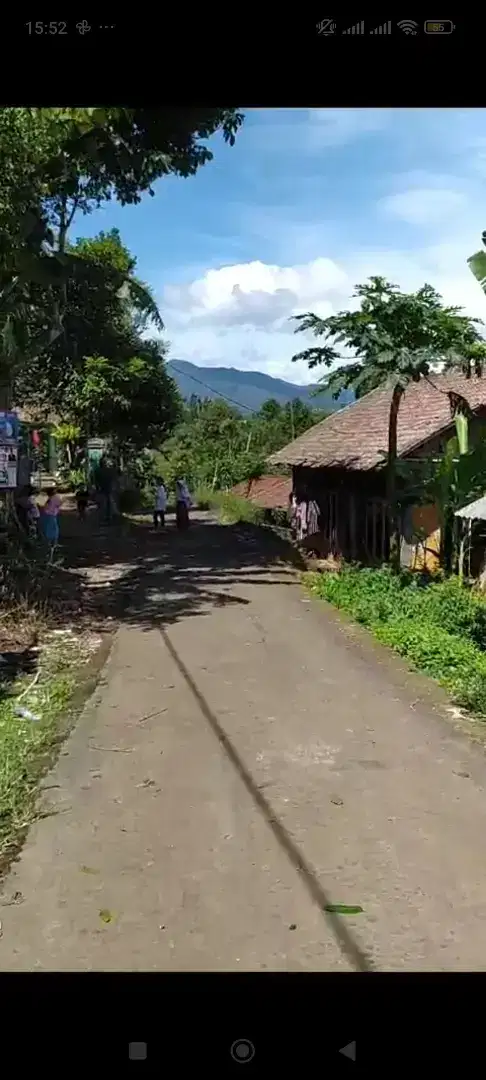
422,535
353,521
420,547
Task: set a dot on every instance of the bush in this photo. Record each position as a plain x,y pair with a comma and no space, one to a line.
439,626
457,664
231,508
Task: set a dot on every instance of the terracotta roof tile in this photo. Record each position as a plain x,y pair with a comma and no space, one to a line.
269,492
356,437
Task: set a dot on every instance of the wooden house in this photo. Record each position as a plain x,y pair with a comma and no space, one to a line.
340,464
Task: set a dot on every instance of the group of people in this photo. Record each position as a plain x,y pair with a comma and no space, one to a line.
183,503
44,520
35,520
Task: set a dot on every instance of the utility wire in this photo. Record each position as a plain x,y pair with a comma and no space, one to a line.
239,404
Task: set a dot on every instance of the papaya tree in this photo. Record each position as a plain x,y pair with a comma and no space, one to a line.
394,338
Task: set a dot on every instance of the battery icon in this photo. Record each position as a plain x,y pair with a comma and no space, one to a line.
442,26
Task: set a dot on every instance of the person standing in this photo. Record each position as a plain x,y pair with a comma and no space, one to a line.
160,503
27,510
50,517
82,500
183,505
104,485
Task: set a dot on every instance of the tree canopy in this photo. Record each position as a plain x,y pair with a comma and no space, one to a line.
55,162
103,375
214,446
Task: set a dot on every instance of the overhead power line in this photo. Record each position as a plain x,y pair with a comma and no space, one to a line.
239,404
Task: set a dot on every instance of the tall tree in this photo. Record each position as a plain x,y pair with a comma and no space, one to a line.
395,338
54,162
103,375
106,308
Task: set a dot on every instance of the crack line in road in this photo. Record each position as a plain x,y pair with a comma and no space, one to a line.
349,947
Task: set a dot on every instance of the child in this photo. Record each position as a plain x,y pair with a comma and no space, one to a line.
160,503
33,515
82,500
50,513
27,510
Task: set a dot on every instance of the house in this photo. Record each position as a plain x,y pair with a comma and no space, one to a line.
268,492
340,464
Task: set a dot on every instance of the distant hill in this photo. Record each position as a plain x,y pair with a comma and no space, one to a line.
246,388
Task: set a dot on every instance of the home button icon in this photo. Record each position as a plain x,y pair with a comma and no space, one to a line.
242,1051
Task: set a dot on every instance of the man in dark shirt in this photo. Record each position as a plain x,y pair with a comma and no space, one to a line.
104,480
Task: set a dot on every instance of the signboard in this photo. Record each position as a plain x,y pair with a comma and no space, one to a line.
8,466
9,426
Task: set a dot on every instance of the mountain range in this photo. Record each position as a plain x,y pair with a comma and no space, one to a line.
247,390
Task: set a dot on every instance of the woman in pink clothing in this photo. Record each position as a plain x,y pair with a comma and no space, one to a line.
50,514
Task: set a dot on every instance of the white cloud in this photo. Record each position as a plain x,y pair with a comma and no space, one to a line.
424,206
239,316
336,127
309,130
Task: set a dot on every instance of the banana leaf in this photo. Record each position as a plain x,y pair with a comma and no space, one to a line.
462,430
477,265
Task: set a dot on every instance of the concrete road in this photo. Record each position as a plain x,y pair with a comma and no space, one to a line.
247,761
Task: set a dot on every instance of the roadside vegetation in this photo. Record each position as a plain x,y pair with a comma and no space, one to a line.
36,713
230,508
438,626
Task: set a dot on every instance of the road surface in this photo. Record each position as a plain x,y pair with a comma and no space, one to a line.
246,762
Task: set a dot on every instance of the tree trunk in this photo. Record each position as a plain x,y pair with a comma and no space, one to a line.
391,476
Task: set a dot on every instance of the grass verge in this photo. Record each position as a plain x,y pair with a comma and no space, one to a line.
439,627
230,508
67,671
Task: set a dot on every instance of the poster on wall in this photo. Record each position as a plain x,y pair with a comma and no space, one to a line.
9,426
8,466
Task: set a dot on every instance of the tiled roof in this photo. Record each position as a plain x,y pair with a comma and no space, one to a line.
356,437
269,492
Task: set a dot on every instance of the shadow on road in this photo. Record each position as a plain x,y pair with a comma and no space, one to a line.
128,572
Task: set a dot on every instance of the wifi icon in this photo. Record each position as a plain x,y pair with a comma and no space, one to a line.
408,26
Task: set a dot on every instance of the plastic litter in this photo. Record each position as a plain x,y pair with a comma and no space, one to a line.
26,714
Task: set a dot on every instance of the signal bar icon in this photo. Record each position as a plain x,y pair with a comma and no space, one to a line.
385,28
358,28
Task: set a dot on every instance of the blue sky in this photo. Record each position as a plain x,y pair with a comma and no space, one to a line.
304,206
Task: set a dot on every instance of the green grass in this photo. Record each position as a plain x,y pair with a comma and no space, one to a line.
27,748
439,627
230,508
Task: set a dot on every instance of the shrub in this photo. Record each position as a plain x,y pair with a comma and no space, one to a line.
231,508
439,626
458,665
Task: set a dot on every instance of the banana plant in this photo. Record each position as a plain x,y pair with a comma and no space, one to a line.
477,264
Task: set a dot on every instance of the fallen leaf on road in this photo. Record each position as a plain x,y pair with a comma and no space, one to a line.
344,909
107,916
337,801
88,870
1,930
16,898
146,783
293,926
